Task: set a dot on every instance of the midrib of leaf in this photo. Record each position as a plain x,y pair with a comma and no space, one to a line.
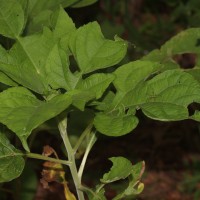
13,154
29,57
169,87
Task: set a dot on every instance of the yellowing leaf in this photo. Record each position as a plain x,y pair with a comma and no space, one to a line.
54,172
68,194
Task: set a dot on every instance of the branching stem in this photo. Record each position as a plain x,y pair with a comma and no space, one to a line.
62,126
82,137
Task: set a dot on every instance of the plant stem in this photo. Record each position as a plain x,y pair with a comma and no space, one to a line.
89,147
83,135
62,126
41,157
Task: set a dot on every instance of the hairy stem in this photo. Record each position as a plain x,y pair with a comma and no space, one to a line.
62,126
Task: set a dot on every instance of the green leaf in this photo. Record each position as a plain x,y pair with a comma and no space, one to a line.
184,42
96,83
137,171
129,75
45,68
165,111
135,187
11,18
11,160
115,125
195,72
80,98
92,51
121,169
22,112
129,78
57,68
169,94
37,6
6,80
105,103
159,57
51,14
82,3
62,26
130,192
26,60
38,22
61,23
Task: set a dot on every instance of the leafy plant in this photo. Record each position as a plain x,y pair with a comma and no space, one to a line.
42,84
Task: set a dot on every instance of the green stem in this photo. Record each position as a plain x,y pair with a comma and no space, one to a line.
100,187
87,151
41,157
62,126
83,135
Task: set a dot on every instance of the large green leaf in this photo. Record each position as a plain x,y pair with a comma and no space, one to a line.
22,112
92,51
11,161
11,18
121,169
115,125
